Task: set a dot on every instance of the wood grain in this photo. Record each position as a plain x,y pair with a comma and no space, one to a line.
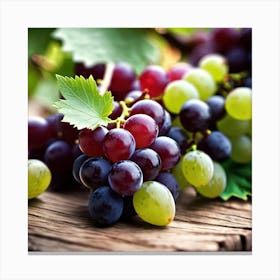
59,222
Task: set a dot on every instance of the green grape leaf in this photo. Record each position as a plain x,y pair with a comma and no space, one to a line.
38,39
104,45
239,180
83,106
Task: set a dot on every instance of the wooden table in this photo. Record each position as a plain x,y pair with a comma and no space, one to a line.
60,222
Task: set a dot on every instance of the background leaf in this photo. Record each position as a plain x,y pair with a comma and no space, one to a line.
239,180
38,40
103,45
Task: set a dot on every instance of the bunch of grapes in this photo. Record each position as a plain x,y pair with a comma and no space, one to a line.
170,129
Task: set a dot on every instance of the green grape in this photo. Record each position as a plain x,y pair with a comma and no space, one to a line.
216,65
241,149
232,127
203,82
177,93
39,177
238,103
154,203
179,176
197,168
217,184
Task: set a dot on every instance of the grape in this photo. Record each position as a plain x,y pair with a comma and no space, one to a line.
94,172
143,128
58,157
39,178
201,50
39,132
149,162
168,150
198,168
166,124
117,111
133,96
177,93
168,180
237,59
178,134
216,145
216,104
203,82
241,149
216,65
225,38
178,71
239,103
217,184
195,115
91,141
65,131
248,82
105,206
128,208
246,38
76,167
122,80
118,144
76,151
150,108
154,204
177,172
232,127
125,177
153,79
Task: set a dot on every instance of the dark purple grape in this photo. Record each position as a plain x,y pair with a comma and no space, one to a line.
58,157
76,167
225,38
122,80
151,108
168,180
38,133
195,115
216,104
134,96
166,124
37,153
97,71
153,80
119,144
246,38
67,132
125,177
117,111
94,172
91,141
128,208
237,58
105,206
248,82
149,162
168,150
216,145
178,134
76,151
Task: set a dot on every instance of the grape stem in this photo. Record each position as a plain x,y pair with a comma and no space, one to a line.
125,113
107,77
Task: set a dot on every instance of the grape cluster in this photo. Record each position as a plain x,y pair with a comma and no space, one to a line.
170,129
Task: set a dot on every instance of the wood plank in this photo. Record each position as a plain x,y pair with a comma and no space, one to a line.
60,222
